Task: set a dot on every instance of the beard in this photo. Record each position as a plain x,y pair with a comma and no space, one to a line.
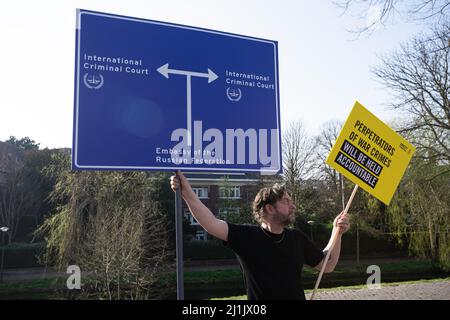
287,220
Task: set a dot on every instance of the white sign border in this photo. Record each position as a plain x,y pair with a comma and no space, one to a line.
80,12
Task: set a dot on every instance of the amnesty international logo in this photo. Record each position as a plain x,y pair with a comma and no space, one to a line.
93,81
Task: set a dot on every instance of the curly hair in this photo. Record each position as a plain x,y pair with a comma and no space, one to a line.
268,195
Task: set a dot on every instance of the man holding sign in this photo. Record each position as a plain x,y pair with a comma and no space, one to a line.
371,155
271,255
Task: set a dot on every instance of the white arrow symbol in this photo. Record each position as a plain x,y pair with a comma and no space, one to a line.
165,71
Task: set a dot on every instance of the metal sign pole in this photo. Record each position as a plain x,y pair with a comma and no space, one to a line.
179,245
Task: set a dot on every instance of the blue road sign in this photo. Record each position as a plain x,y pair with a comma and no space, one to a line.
152,95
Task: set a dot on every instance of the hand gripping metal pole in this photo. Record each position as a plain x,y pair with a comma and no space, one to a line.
334,236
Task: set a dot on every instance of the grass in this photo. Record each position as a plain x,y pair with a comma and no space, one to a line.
244,297
213,276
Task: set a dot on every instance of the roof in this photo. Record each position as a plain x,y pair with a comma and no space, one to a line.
197,178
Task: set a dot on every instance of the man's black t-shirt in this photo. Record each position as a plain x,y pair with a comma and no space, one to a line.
272,264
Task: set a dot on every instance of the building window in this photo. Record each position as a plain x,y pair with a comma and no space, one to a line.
201,235
226,213
190,218
230,192
202,193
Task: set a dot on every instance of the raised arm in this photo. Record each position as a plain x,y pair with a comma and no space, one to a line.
215,227
340,226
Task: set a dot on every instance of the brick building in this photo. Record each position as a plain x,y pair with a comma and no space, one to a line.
224,195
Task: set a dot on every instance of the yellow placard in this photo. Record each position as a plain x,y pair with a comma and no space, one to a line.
370,154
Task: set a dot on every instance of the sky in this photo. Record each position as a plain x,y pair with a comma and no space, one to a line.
322,69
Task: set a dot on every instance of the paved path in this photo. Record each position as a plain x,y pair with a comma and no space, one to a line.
30,274
439,290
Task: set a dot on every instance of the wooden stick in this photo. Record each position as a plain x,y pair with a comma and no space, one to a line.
334,236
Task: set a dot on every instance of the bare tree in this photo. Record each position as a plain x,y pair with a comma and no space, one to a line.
111,225
298,150
332,193
383,12
124,251
418,74
323,144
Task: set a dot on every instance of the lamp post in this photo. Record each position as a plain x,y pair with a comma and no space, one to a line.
3,230
311,222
